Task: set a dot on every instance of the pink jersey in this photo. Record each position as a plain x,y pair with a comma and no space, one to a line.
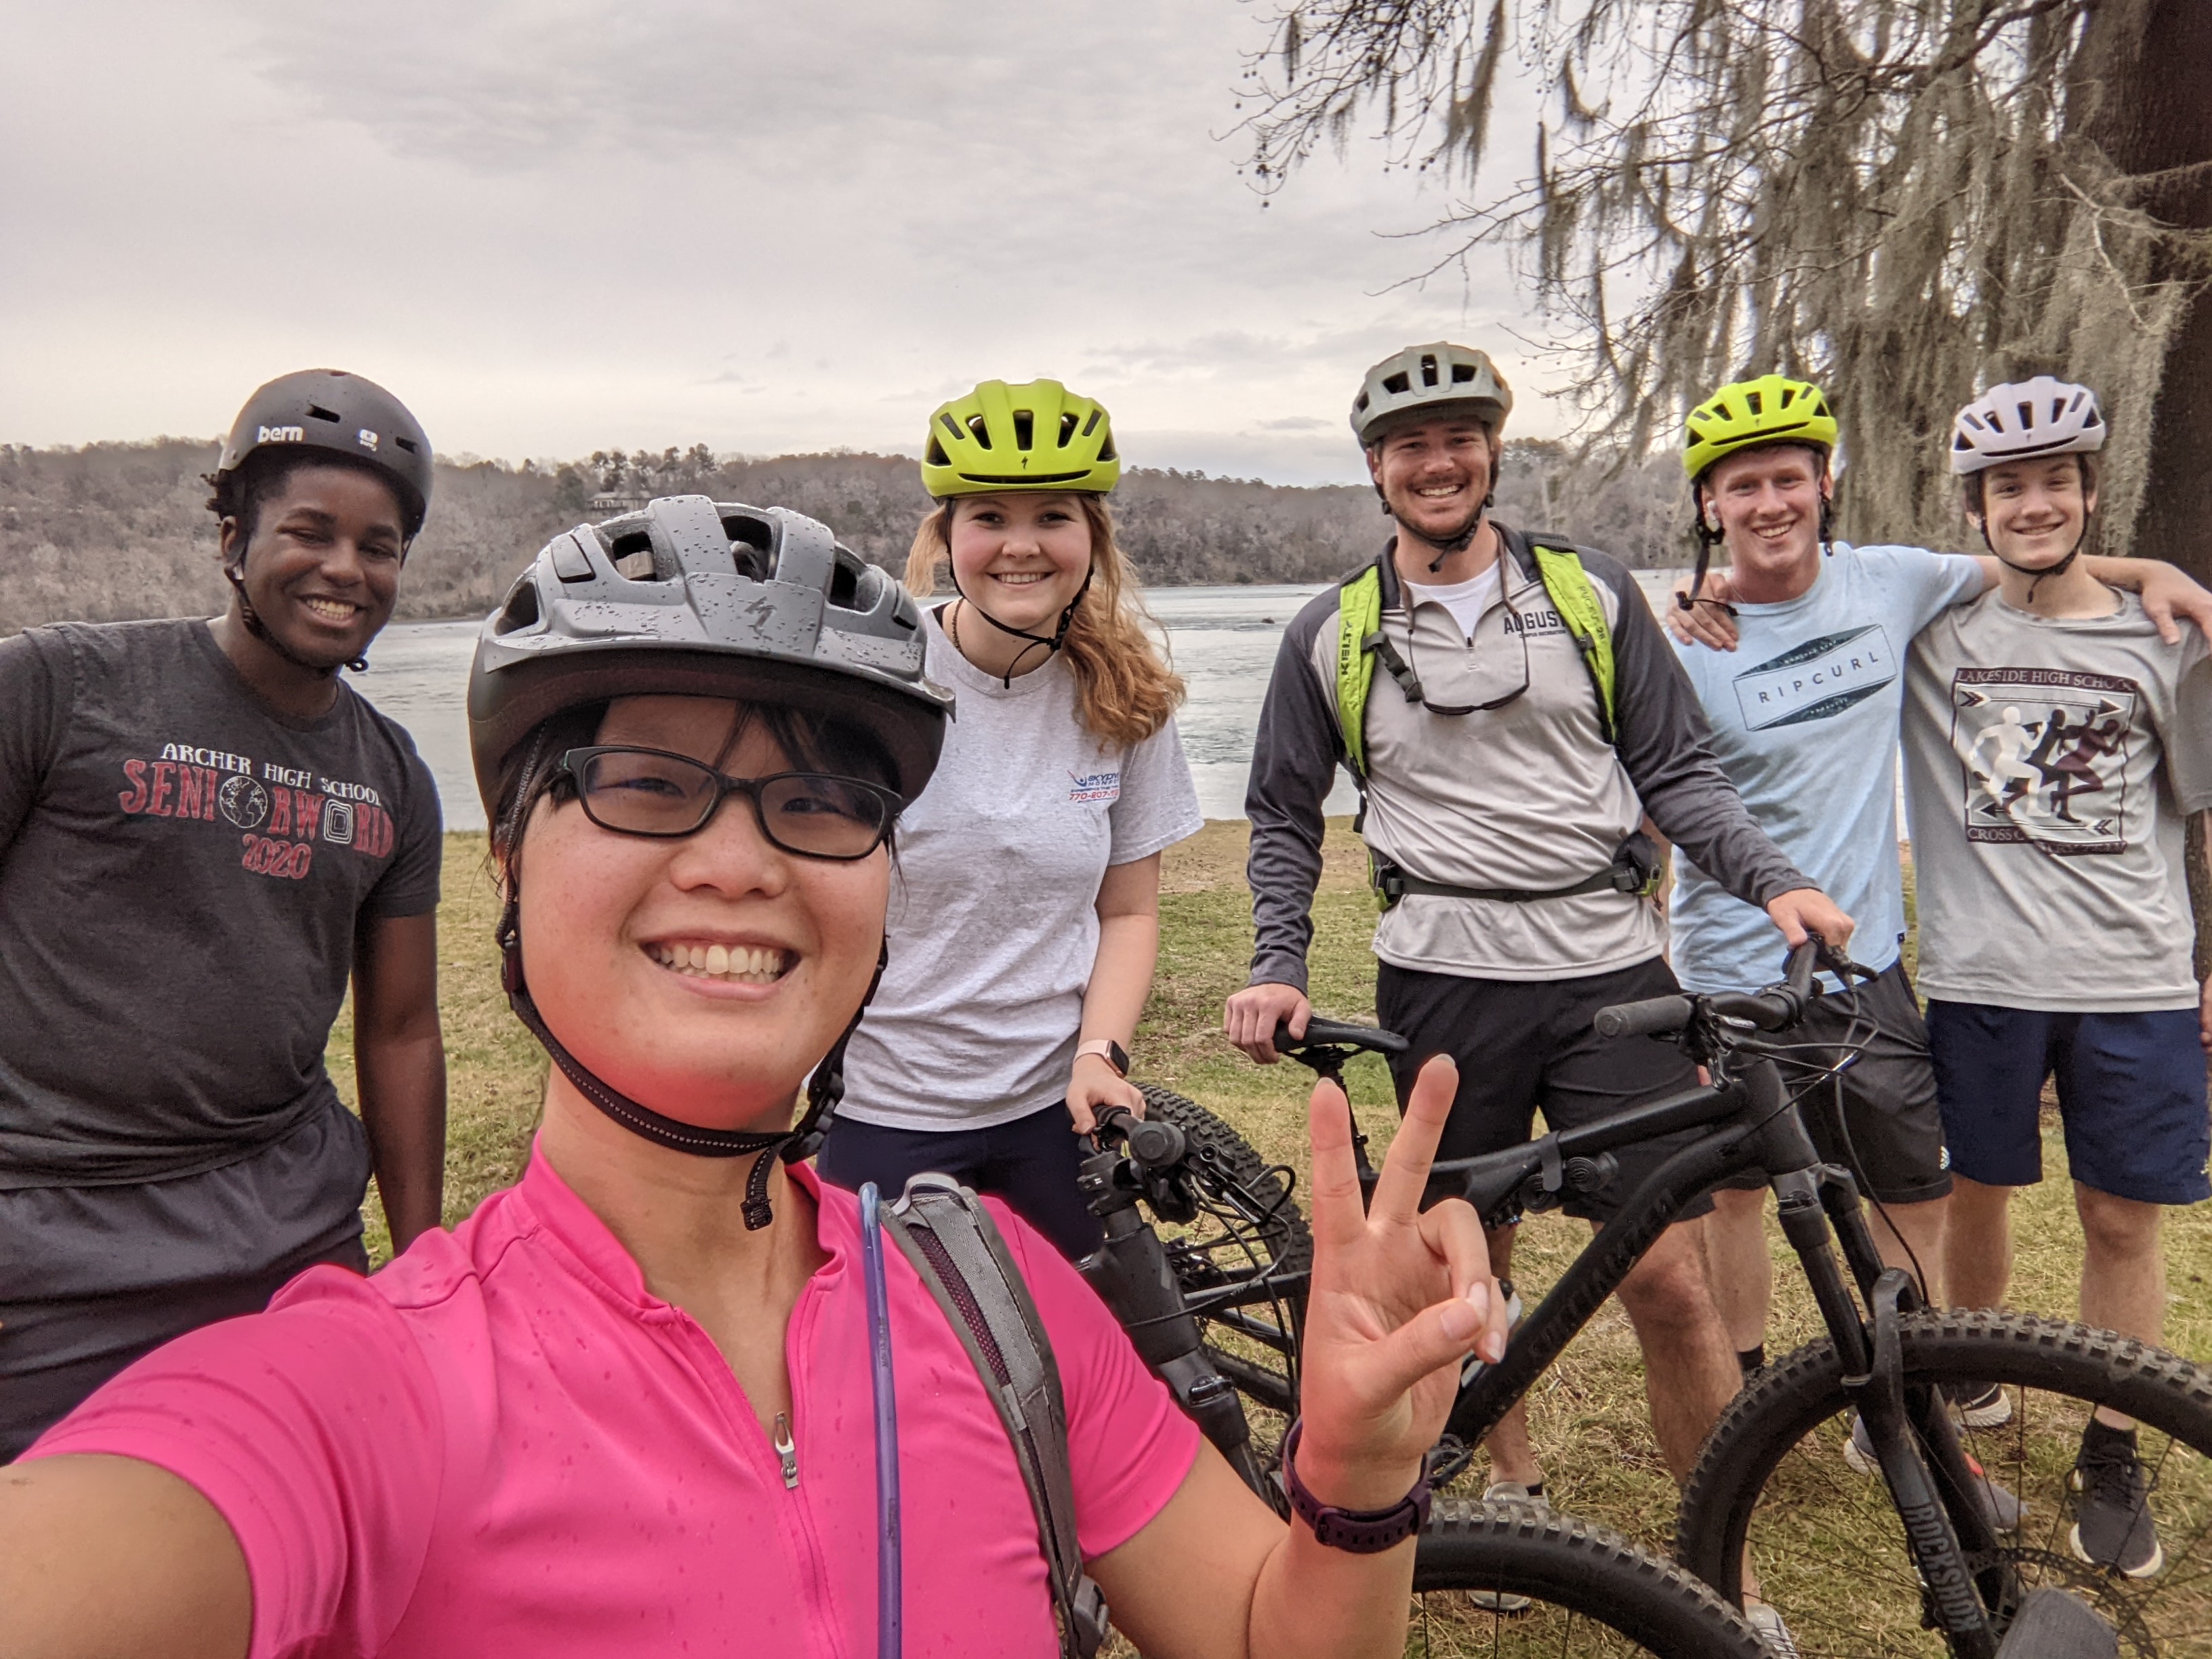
504,1444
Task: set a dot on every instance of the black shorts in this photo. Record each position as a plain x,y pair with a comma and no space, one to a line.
1523,1046
1887,1099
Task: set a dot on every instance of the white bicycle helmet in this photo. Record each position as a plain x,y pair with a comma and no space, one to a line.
1429,379
2019,422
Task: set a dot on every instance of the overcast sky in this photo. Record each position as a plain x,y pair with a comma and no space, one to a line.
553,226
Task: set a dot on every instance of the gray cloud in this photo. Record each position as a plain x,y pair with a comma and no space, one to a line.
558,224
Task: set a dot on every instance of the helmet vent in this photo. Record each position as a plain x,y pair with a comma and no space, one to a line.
1757,402
2026,416
844,586
632,555
1428,370
1024,429
979,431
316,411
1399,384
521,608
936,455
751,543
1462,372
1091,425
1067,430
407,444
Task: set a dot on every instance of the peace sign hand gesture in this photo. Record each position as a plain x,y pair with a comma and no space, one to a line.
1398,1298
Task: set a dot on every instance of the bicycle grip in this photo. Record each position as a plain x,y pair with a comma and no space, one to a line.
1654,1017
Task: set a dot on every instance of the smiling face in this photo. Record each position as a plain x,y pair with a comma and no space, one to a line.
322,567
702,976
1766,503
1434,474
2034,512
1023,557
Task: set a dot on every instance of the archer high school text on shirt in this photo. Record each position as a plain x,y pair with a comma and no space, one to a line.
280,811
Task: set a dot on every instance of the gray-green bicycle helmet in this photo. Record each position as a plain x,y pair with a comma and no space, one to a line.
692,597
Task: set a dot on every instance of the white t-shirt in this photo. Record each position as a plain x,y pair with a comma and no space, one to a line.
1466,601
992,925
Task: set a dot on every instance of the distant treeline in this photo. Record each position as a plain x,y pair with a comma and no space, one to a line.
116,531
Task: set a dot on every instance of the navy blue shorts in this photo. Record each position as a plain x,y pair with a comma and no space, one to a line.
2130,1090
1031,1162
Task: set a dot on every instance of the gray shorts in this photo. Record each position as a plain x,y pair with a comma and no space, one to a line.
92,1277
1886,1100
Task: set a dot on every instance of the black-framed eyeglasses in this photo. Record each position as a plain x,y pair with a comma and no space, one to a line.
1515,622
634,791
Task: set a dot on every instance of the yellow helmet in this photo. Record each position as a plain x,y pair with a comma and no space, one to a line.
1771,409
1001,437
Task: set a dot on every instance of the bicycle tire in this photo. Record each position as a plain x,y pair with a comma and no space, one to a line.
1257,1283
1595,1593
1288,1247
1773,1474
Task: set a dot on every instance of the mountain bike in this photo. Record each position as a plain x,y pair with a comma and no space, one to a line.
1937,1558
1532,1582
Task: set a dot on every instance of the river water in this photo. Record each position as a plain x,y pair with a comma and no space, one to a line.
1222,639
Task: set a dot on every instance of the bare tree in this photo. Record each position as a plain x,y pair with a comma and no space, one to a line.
1904,199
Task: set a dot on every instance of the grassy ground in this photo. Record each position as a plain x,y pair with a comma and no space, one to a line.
1588,1415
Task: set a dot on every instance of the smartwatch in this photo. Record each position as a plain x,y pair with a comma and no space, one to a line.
1107,1050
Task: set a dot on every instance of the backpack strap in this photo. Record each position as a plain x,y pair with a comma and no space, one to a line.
943,1229
1561,569
1359,632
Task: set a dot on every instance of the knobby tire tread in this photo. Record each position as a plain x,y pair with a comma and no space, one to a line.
1785,1403
1250,1171
1584,1569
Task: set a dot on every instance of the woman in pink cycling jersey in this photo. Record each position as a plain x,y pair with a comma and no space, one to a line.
625,1408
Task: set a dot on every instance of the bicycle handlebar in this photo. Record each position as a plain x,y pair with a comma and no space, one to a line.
1152,1144
1335,1033
1771,1010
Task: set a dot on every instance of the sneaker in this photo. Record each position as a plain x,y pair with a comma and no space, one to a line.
1767,1620
2112,1525
2001,1507
1505,1492
1980,1405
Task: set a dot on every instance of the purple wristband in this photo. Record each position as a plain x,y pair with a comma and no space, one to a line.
1359,1532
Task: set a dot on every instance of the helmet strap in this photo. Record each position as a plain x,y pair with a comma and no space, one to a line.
235,574
1051,644
1708,539
2037,576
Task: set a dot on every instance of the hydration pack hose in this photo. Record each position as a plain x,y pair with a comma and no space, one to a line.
890,1596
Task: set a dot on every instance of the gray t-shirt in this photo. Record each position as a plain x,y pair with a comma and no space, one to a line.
182,871
993,926
2048,768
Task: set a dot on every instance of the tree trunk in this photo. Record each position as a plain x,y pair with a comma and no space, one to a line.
2153,59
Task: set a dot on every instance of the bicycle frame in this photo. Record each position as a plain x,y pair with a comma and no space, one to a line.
1752,1123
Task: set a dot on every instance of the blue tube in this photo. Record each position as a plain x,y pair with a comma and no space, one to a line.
889,1580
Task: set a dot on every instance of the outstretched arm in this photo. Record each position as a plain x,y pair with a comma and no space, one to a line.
1399,1298
109,1557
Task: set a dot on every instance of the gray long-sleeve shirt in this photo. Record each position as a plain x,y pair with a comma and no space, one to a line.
1530,795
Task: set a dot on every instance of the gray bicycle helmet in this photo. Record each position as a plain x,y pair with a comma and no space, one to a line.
1426,380
698,597
2022,421
328,409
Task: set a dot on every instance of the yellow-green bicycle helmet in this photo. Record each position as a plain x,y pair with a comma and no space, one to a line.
1744,414
1001,437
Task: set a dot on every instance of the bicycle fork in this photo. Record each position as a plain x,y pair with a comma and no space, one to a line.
1916,1442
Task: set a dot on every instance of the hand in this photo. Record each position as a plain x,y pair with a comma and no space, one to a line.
1398,1298
1093,1086
1254,1011
2167,594
1806,910
1709,623
2204,1017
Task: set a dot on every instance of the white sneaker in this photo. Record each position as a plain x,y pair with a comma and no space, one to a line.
1767,1620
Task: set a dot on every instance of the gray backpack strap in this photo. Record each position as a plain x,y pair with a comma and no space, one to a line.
942,1229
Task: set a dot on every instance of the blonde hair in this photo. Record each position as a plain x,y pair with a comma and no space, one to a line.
1124,689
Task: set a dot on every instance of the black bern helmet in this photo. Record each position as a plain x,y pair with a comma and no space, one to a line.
329,410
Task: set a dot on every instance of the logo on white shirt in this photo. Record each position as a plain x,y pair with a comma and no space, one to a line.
1816,680
1094,786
